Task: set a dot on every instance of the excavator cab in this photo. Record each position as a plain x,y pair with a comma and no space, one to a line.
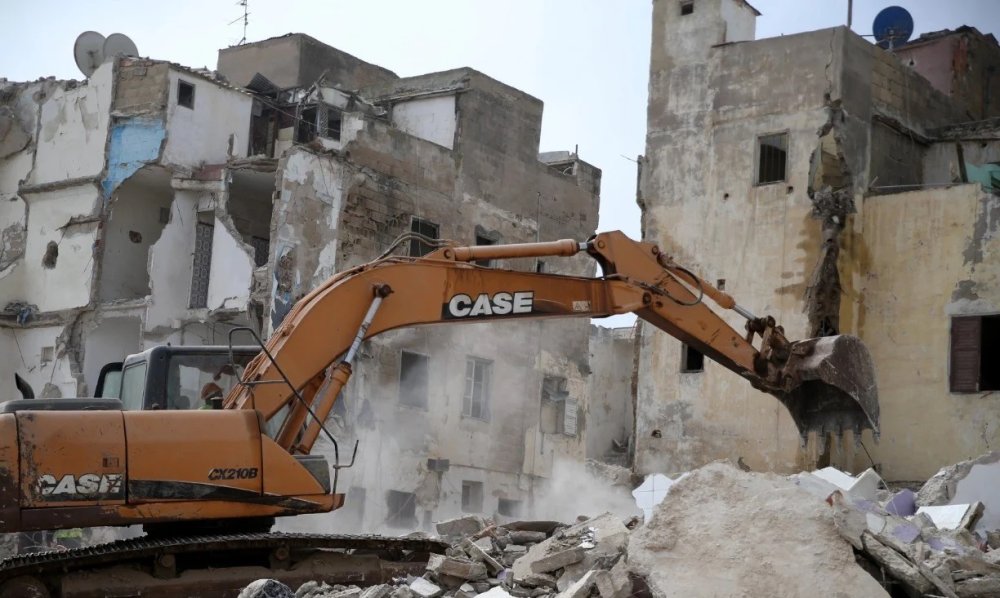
170,377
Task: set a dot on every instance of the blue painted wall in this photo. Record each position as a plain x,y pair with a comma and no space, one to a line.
135,142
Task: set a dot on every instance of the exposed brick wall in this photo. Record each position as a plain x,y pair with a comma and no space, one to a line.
901,93
141,87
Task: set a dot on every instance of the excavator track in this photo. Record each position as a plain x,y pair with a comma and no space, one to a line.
211,566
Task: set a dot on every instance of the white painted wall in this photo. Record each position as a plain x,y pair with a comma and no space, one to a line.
74,130
22,351
232,271
112,339
170,262
68,284
125,262
201,135
432,119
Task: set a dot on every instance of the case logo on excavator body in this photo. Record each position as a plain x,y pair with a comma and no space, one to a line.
82,487
484,304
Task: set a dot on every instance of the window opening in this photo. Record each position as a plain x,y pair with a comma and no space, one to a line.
475,403
687,8
975,351
692,359
306,130
261,249
425,228
185,94
333,123
481,240
202,267
509,507
772,156
413,377
133,386
402,508
472,497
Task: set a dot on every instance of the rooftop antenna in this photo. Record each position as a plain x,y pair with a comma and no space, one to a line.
893,26
88,50
246,20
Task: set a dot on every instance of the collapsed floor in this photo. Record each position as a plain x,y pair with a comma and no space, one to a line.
724,531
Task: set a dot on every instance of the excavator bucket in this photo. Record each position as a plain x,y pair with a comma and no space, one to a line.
831,386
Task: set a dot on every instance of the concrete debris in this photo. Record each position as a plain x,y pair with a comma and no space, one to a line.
425,589
461,526
719,531
966,483
954,516
266,588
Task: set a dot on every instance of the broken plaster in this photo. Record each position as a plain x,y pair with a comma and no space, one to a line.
832,195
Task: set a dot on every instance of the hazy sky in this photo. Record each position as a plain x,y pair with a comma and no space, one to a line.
586,59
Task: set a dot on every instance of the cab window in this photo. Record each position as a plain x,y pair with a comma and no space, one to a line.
133,383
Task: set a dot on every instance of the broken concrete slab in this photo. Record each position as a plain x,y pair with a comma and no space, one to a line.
607,533
968,482
748,530
477,553
526,537
460,526
557,560
379,591
899,567
954,516
614,583
454,567
581,588
863,486
424,588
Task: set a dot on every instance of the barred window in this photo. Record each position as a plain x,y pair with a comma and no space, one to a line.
772,157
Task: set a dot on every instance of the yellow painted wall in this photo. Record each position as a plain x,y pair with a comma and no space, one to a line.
915,249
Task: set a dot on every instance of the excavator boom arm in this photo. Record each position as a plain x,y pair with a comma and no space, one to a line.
445,287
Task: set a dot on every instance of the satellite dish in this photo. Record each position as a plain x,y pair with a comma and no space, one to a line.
119,44
893,26
89,52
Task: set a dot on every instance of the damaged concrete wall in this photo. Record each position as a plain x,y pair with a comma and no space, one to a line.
952,233
297,60
796,247
707,107
433,119
213,129
609,411
337,209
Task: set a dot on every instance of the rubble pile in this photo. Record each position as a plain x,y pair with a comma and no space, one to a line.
724,531
930,543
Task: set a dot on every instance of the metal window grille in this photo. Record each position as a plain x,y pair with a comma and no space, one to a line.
202,267
475,403
772,157
425,228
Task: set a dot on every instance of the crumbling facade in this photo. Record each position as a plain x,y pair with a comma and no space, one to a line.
153,203
822,180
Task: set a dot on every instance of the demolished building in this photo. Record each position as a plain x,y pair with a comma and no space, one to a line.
154,203
841,188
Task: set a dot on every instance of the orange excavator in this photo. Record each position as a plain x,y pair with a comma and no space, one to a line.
229,471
